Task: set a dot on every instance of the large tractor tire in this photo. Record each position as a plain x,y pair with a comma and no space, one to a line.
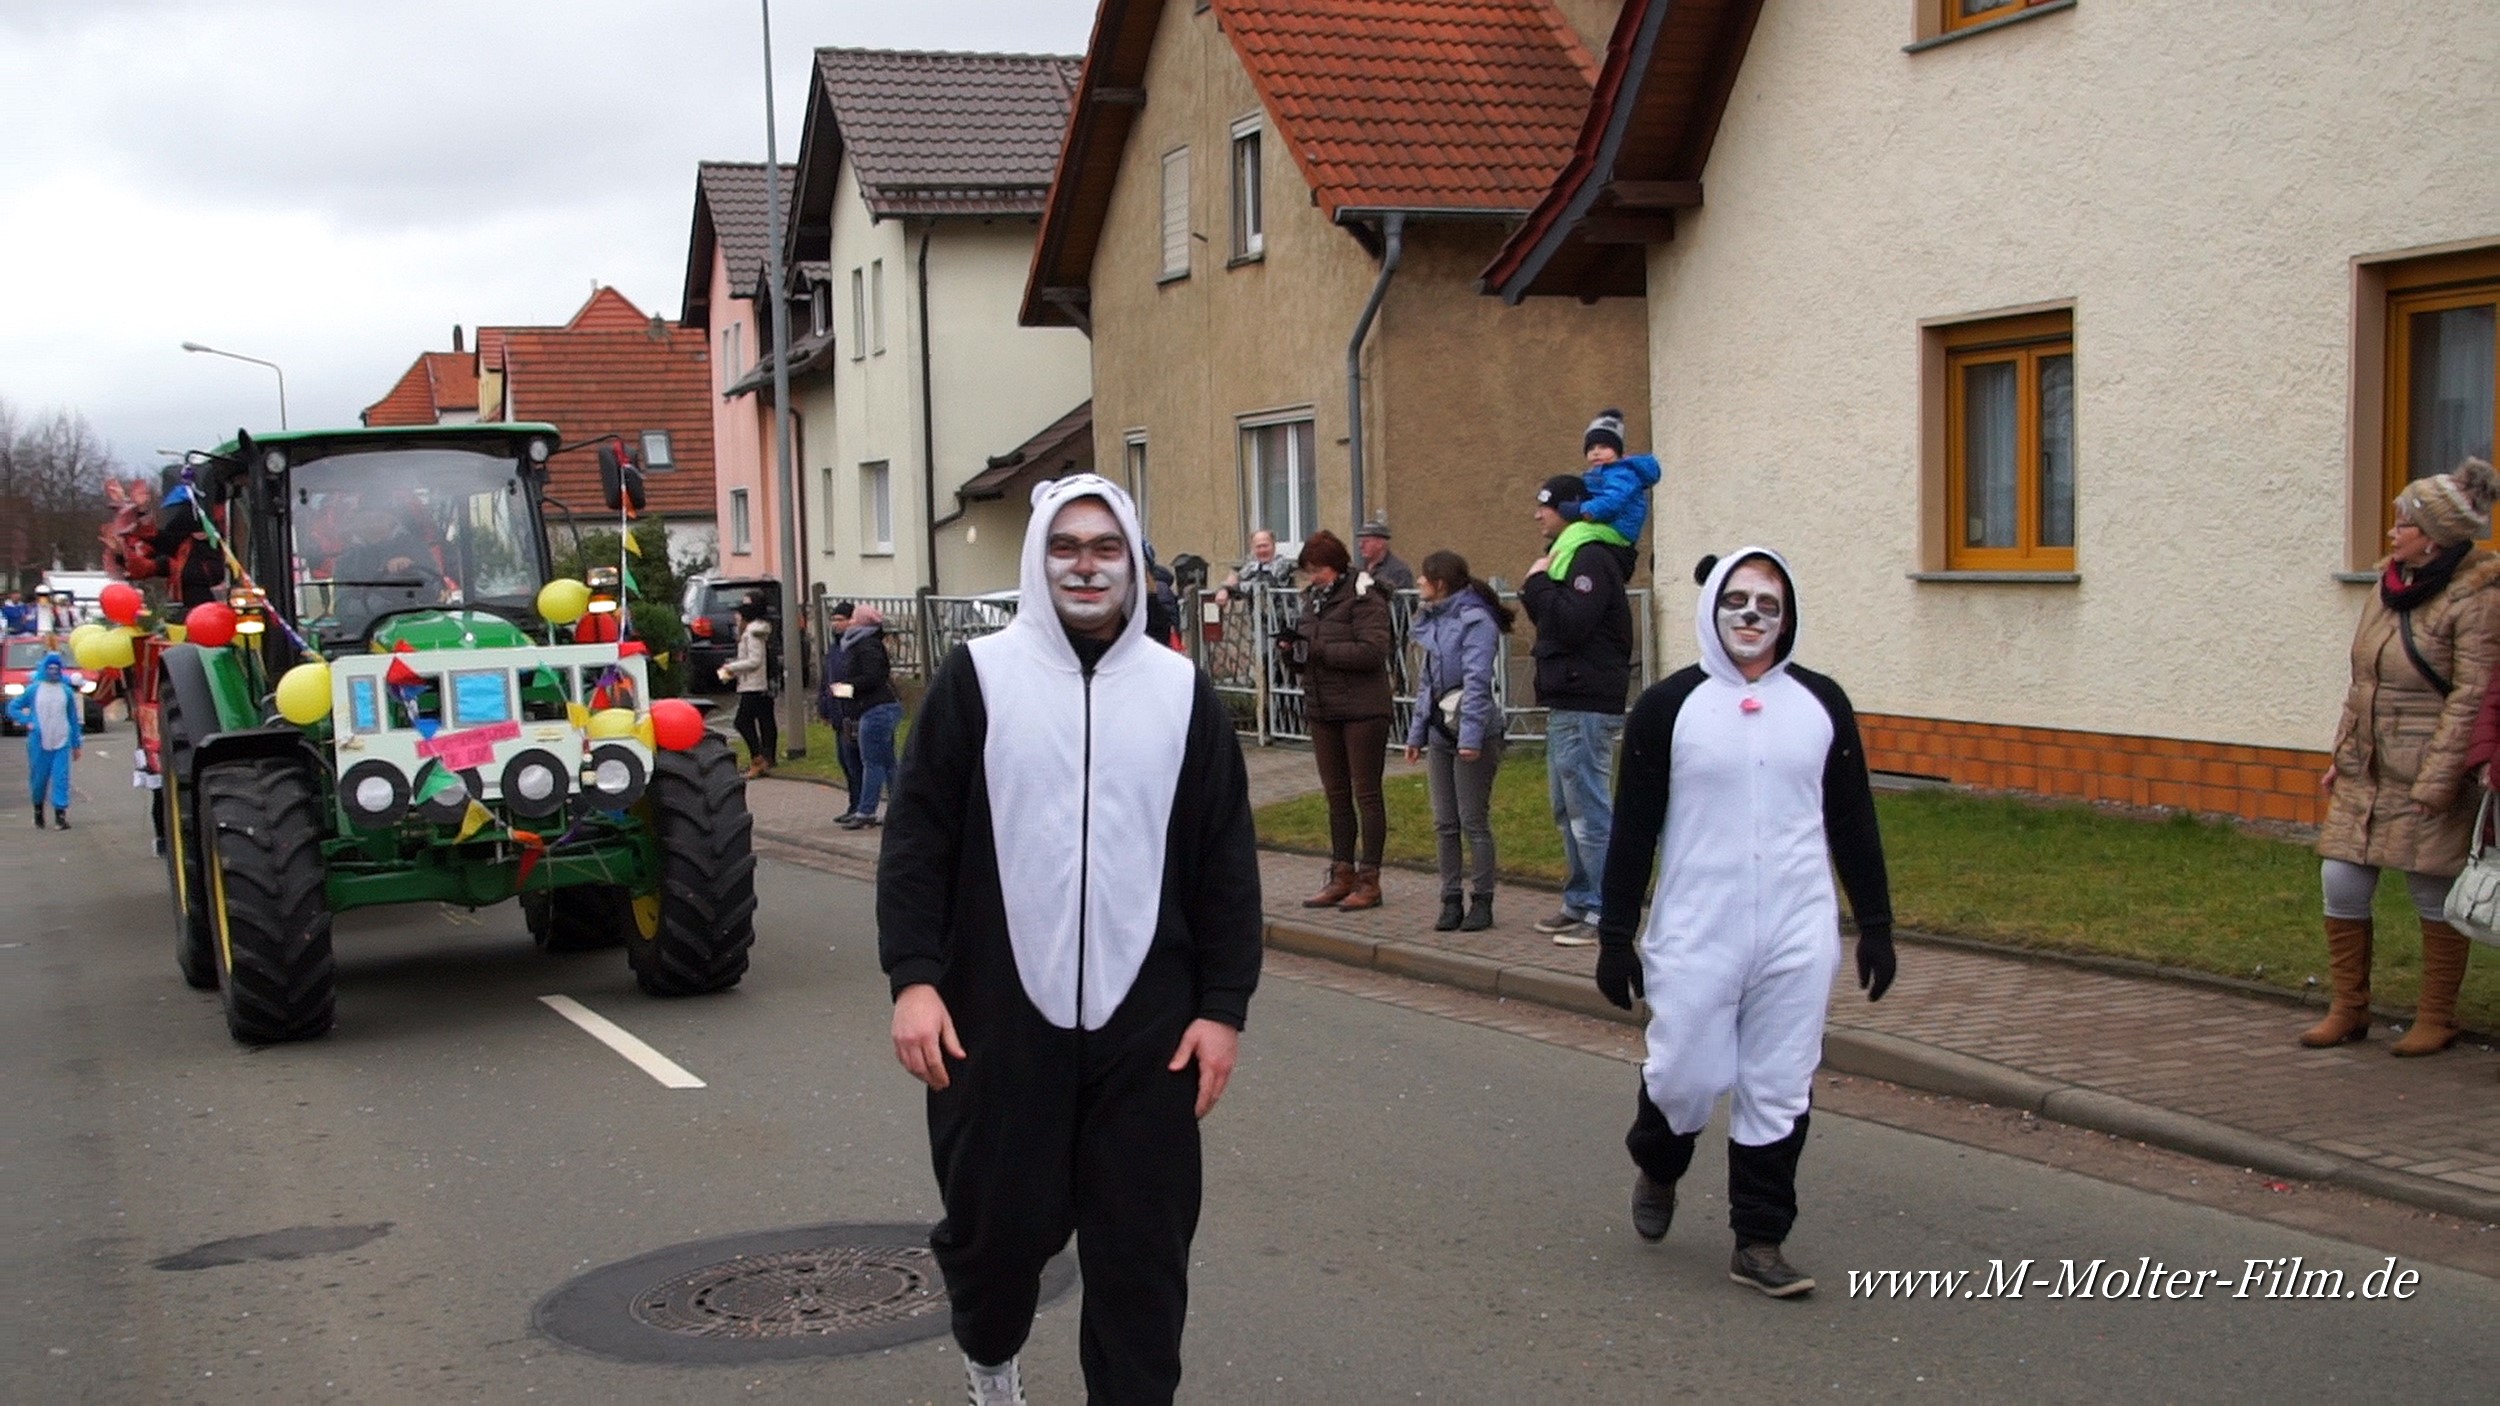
266,893
195,937
692,935
583,918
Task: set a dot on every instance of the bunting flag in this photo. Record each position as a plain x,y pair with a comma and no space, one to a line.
578,716
477,818
427,727
660,660
533,849
632,544
632,647
436,782
401,676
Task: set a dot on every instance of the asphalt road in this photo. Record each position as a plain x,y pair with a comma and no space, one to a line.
1400,1205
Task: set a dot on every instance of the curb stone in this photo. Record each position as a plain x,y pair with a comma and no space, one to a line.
1876,1055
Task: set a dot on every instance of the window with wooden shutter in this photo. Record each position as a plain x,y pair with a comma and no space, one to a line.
1176,213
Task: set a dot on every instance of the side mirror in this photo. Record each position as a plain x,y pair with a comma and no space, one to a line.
619,481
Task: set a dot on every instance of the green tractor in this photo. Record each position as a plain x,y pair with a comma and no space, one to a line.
382,715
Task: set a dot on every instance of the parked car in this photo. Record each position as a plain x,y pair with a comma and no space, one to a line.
710,609
19,658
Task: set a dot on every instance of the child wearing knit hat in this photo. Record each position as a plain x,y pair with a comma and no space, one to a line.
1615,508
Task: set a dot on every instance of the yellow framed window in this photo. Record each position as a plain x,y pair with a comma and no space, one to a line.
2443,367
2010,444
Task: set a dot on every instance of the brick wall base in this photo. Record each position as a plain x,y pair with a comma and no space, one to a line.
2210,778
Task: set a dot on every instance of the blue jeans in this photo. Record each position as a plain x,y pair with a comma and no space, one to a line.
876,754
1580,778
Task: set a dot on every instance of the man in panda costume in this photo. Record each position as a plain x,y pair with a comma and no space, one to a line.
1750,770
1068,911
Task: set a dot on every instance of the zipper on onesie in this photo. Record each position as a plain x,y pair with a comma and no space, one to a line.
1084,846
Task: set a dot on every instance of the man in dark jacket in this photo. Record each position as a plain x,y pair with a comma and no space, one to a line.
831,706
1068,914
1574,595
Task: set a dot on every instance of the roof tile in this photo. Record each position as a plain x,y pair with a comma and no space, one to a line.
735,193
933,133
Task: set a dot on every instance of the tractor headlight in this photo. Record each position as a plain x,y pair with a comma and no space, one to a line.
613,777
373,794
535,784
274,462
539,449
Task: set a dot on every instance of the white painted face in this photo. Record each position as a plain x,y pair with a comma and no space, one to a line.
1087,562
1752,604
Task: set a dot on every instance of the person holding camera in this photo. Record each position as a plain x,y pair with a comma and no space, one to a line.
1342,650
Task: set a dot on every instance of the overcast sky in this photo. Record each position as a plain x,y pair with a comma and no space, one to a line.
332,184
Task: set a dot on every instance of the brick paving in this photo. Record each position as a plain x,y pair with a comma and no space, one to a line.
2207,1052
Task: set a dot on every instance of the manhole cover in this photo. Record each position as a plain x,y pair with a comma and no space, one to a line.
817,1291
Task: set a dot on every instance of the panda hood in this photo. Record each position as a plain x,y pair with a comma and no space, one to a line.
1081,770
1712,574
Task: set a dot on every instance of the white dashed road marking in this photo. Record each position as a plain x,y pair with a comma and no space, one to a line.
616,1037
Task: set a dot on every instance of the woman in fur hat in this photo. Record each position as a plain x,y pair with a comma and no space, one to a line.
2400,793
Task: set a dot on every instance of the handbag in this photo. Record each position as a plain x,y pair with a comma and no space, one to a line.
2473,906
1444,717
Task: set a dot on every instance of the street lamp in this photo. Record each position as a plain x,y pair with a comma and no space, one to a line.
256,361
793,572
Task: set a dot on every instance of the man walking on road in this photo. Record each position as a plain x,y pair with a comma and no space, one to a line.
1752,771
1574,595
1068,911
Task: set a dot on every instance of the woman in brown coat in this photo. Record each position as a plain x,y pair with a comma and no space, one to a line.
2401,794
1346,639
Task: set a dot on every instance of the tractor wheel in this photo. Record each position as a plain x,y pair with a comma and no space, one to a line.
583,918
266,893
692,935
195,938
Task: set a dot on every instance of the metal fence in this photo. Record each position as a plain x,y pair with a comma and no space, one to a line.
1235,642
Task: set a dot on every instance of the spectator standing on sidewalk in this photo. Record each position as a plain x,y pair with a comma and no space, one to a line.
1371,543
1750,771
1068,911
1459,726
1574,595
2400,791
833,705
1345,641
1263,567
15,617
876,711
751,670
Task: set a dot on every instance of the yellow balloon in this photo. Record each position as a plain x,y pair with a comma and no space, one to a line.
304,694
611,722
115,649
562,601
80,636
644,734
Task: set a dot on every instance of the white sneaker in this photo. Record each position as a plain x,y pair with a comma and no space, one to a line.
1002,1385
1581,934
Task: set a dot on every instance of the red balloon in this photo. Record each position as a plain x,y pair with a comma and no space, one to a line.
676,724
122,603
210,623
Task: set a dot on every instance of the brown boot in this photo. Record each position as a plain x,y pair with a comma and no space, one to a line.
2444,952
1340,883
1366,892
2348,966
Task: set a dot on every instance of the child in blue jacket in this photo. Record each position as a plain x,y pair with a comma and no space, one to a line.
49,710
1616,509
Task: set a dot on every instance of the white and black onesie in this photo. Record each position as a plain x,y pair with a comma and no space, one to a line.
1758,791
1069,859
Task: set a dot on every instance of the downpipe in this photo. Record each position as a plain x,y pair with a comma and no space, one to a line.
1394,246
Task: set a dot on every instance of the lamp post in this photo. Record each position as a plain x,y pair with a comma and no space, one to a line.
793,592
256,361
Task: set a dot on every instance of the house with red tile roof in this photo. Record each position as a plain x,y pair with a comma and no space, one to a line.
611,369
726,263
923,410
2005,321
1270,216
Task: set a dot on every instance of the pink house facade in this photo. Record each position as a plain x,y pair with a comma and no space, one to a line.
726,259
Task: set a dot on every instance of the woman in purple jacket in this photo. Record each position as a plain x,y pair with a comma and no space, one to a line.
1459,726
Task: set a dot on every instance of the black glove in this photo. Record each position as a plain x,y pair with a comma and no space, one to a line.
1619,973
1875,960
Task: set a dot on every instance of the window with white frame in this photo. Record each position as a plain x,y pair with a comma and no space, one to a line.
658,455
1133,461
741,523
1279,458
1249,217
876,508
730,370
1176,213
876,305
819,309
824,497
859,314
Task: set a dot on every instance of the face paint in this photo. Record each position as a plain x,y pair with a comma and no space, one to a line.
1087,562
1751,606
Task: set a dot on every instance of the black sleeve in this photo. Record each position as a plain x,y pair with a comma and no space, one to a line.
870,666
1222,901
1568,617
1641,788
924,827
1849,812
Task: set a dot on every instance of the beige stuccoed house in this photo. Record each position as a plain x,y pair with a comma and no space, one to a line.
2071,350
919,184
1242,181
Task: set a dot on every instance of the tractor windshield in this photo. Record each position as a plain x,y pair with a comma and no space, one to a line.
400,529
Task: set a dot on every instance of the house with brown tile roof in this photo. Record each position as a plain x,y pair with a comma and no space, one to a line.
1270,217
438,388
2006,321
918,190
726,257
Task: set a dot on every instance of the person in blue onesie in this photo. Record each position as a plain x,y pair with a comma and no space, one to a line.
49,711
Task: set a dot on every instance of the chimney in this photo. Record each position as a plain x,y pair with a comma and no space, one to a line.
455,338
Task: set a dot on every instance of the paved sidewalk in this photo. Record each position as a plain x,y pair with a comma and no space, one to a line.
2200,1069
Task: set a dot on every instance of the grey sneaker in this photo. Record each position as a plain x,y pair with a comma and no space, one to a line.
1762,1267
1653,1208
1580,934
1563,921
1002,1385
